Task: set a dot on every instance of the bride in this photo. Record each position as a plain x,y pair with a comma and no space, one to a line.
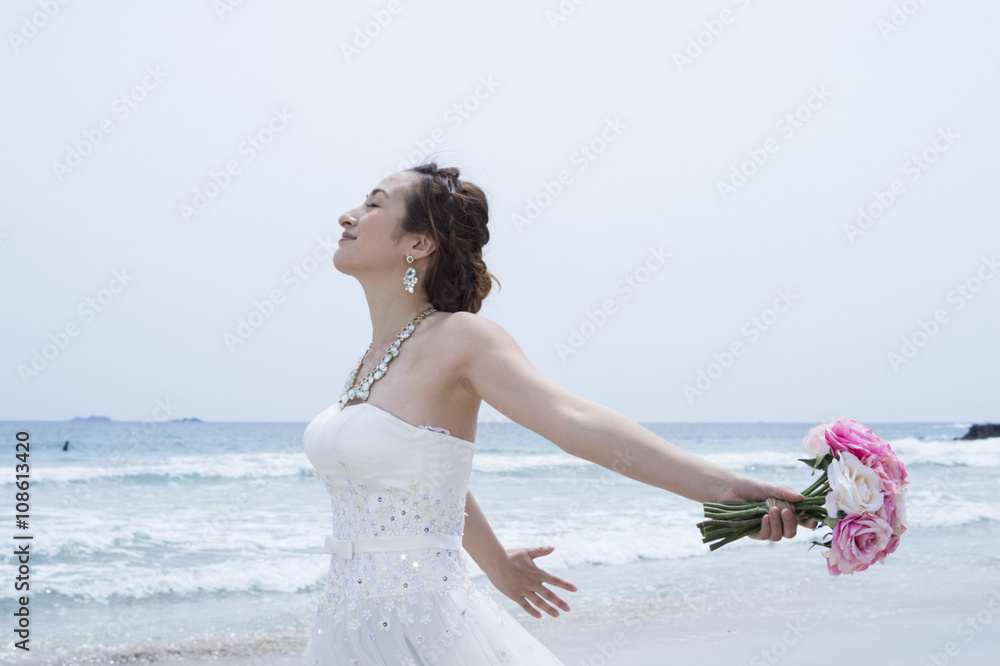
395,451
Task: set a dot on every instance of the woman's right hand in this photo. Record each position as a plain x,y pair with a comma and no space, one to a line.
520,579
775,524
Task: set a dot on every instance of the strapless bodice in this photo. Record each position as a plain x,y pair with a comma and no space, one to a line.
387,477
397,492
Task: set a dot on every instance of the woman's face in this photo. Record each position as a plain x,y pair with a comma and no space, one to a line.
369,240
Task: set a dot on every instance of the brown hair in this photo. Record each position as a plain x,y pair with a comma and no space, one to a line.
454,213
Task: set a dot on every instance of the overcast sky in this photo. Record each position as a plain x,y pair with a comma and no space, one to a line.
722,211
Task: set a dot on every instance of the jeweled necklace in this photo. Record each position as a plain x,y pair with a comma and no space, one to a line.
350,391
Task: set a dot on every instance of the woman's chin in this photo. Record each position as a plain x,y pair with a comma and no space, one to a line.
341,265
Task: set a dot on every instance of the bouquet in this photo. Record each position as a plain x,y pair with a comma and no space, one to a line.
860,495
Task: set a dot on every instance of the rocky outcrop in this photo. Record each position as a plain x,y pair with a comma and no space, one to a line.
982,431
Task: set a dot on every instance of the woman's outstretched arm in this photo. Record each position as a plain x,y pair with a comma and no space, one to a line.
513,572
495,368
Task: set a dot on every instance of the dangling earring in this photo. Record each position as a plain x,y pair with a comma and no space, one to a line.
410,278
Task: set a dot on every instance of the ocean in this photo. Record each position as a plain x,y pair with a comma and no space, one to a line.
192,539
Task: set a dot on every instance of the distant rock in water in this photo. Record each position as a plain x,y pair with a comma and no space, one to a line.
190,420
982,431
90,418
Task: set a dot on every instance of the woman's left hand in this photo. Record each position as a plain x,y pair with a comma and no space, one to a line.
774,525
521,580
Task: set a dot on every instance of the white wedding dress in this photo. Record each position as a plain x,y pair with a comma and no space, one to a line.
398,591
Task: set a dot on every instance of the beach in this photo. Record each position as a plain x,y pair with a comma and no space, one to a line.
196,549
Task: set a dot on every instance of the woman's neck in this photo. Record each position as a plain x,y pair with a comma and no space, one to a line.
390,312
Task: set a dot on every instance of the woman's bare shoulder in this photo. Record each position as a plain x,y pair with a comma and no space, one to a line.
466,330
470,338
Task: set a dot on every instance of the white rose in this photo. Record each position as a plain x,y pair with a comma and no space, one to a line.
815,442
854,487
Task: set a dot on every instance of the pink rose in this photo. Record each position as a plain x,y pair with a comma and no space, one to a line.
858,540
890,469
890,547
892,512
847,435
888,510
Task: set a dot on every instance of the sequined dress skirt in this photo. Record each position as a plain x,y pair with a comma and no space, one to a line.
414,607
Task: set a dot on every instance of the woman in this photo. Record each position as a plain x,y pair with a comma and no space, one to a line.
395,451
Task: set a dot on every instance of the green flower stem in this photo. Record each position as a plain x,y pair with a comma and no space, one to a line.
819,482
733,515
732,537
728,521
